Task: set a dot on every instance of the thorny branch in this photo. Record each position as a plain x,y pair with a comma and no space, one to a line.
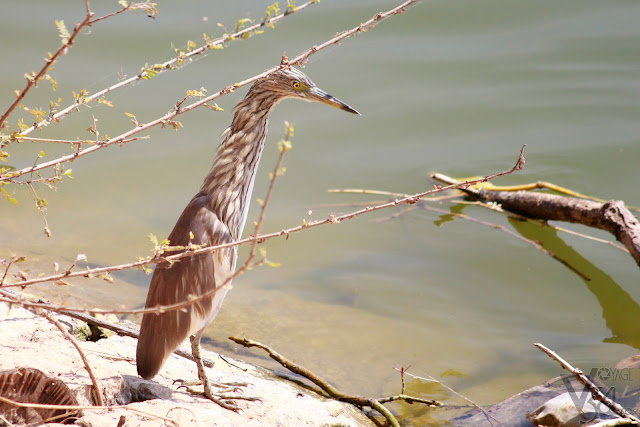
160,68
410,200
298,60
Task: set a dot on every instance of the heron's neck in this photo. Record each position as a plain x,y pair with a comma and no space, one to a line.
230,181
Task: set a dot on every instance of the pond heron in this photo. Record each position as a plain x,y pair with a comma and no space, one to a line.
216,215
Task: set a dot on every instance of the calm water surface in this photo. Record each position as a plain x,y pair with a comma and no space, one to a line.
450,86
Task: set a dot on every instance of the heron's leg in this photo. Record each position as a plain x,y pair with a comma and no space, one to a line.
224,400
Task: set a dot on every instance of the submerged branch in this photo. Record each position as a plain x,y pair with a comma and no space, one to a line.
612,216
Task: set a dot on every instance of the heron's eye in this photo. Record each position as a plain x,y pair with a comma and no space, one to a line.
296,85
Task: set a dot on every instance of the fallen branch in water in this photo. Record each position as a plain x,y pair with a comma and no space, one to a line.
612,216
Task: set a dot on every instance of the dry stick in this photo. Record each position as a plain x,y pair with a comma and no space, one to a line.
80,408
298,60
283,149
586,382
612,216
431,379
328,388
165,66
74,342
170,258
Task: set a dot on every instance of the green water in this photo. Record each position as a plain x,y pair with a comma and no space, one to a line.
450,86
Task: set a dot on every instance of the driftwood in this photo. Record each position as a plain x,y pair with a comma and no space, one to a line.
612,216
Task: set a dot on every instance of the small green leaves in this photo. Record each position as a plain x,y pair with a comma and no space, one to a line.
104,101
41,203
240,24
174,124
148,72
63,32
80,96
288,131
7,196
196,93
284,145
38,113
213,107
263,254
30,76
272,11
54,84
133,118
148,7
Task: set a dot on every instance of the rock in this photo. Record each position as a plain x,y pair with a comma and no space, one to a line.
570,410
513,411
30,341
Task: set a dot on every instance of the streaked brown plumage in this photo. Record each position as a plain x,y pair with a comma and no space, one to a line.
216,215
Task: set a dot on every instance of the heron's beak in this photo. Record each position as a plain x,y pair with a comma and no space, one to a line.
322,96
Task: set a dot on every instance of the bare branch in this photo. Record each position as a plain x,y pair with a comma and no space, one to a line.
586,382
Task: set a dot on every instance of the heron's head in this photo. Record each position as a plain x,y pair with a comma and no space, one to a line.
292,83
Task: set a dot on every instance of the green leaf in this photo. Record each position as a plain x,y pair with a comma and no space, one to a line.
63,32
8,197
284,145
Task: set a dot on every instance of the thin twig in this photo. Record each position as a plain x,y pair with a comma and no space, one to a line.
96,388
165,66
72,141
298,60
171,258
431,379
590,386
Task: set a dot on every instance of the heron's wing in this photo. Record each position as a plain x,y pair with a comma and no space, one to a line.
188,278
